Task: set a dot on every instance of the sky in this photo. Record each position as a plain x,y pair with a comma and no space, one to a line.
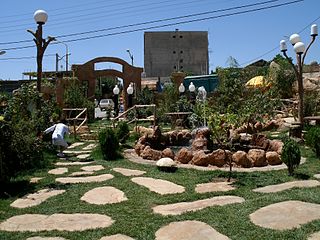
247,33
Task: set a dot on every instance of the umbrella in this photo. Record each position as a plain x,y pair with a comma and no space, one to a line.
258,81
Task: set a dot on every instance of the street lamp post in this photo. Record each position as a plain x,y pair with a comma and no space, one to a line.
131,56
301,53
130,92
67,55
192,90
181,89
116,92
202,95
41,17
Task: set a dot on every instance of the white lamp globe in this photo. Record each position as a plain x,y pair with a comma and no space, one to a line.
40,16
299,47
294,38
116,90
130,89
314,30
181,88
192,88
283,46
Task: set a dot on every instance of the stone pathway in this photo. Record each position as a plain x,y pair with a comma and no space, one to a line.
58,171
76,144
91,146
129,172
98,178
183,207
72,163
189,230
317,176
83,156
79,152
214,187
117,237
104,195
286,215
287,185
92,168
45,238
35,179
314,236
60,222
160,186
35,198
82,173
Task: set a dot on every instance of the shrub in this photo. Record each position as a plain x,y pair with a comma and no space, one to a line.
291,154
122,131
109,143
313,139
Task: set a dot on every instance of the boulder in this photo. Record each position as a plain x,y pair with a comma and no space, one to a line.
257,157
241,159
200,143
219,157
150,154
200,158
168,153
245,138
165,162
273,158
139,148
258,126
270,125
260,140
184,156
276,146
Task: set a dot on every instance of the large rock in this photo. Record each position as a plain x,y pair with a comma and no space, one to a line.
276,146
241,159
184,156
219,157
257,157
200,143
260,140
200,158
150,154
273,124
139,147
168,153
165,162
273,158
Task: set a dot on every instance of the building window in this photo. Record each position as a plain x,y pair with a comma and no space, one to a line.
181,36
181,61
174,36
174,52
175,67
181,67
181,51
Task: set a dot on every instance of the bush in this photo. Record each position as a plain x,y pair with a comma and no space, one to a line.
122,131
313,139
109,143
291,154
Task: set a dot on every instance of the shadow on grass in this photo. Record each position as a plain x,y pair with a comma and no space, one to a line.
301,176
15,189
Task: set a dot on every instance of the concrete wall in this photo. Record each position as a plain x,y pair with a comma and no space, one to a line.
167,52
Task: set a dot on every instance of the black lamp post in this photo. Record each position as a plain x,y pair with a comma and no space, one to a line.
40,16
116,92
130,93
181,89
192,90
131,56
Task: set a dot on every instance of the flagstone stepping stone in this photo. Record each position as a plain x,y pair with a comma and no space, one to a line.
182,207
72,163
286,215
35,179
214,187
98,178
90,146
129,172
58,171
83,156
189,230
117,237
76,152
158,185
92,168
104,195
287,185
317,176
35,198
76,144
315,236
60,222
76,174
45,238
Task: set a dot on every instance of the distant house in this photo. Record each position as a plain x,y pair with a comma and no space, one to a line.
209,82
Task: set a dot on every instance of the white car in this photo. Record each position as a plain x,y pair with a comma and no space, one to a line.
106,104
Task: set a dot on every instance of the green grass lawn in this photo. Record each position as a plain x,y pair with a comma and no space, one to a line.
135,217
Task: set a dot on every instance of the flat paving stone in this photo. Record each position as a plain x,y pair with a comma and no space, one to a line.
45,238
58,171
76,144
287,185
82,173
37,198
317,176
214,187
189,230
72,163
314,236
83,156
60,222
160,186
104,195
129,172
286,215
90,146
98,178
117,237
76,152
182,207
35,179
93,168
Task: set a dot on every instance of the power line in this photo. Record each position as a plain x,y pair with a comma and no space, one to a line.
26,57
151,22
